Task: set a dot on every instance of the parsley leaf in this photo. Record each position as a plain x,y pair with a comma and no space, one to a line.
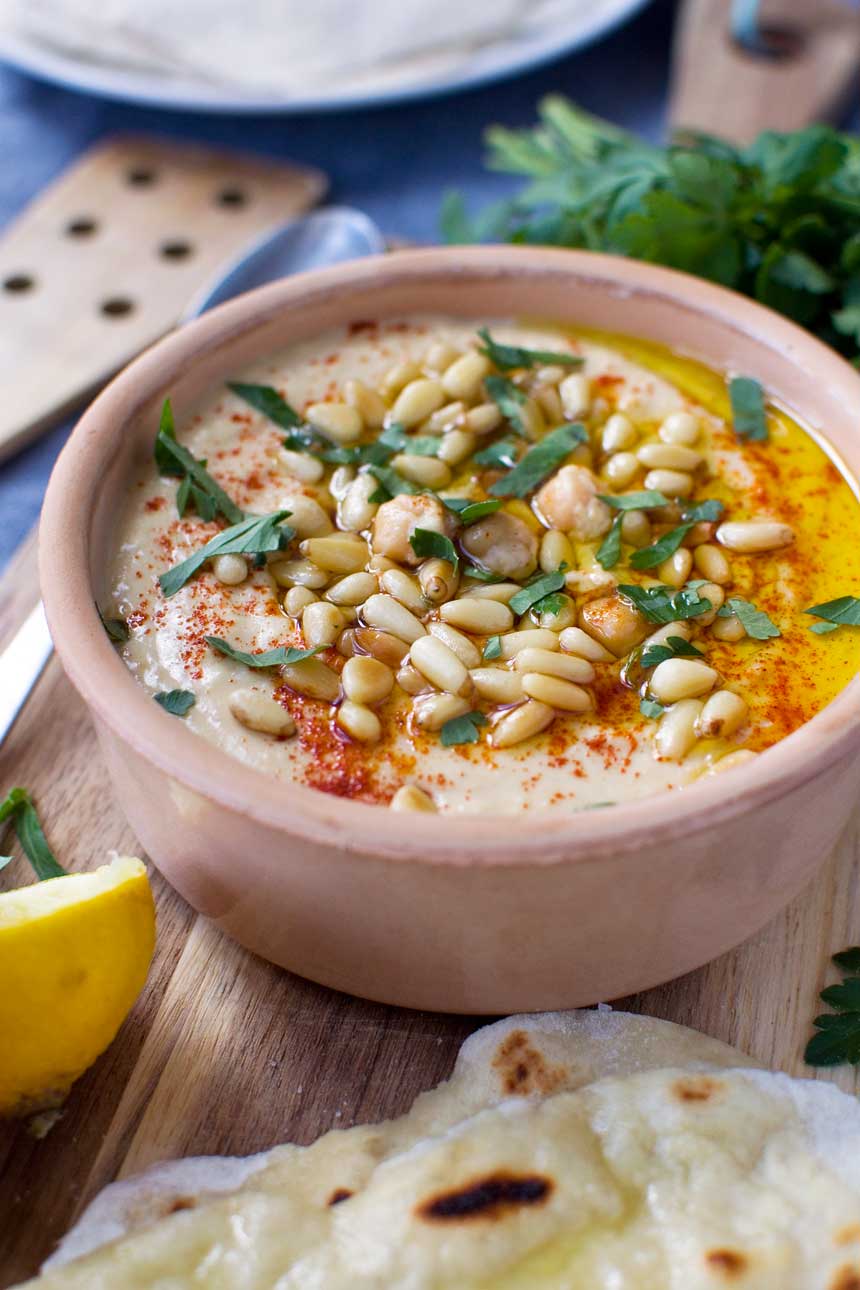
664,604
609,551
462,730
469,511
177,702
838,1038
390,484
648,557
651,708
172,458
540,460
266,399
116,628
18,807
507,357
673,647
498,455
643,501
269,658
708,511
748,413
493,647
508,398
755,622
256,535
843,612
523,600
427,542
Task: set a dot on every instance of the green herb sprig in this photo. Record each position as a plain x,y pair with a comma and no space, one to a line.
197,485
428,543
843,612
540,460
748,411
266,399
838,1038
462,730
508,357
672,647
535,591
498,456
277,657
177,702
468,511
664,604
18,809
508,398
755,622
255,535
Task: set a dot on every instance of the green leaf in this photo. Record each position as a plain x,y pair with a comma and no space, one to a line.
848,959
824,629
498,455
844,997
116,628
664,604
836,1043
651,708
843,612
705,512
540,460
462,730
18,807
508,357
172,458
390,484
481,575
508,398
673,647
748,412
426,543
469,511
266,399
642,501
755,622
609,551
493,648
255,535
648,557
269,658
177,702
523,600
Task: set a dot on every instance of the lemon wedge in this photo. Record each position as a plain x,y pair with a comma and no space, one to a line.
74,954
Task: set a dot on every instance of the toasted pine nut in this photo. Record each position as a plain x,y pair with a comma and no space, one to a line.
559,694
403,587
575,391
345,643
676,733
411,680
230,569
712,564
500,591
549,402
662,634
355,510
714,594
556,620
441,666
352,590
429,472
680,427
411,798
462,380
528,638
307,517
521,723
483,419
618,434
262,712
390,650
742,757
341,478
440,356
551,375
388,615
417,401
671,456
456,447
297,599
379,563
337,421
723,715
399,376
366,680
445,419
590,584
473,615
681,678
556,549
551,663
532,419
676,569
438,580
750,537
497,684
338,552
312,678
298,573
700,533
573,640
622,468
459,644
729,629
301,466
322,623
636,528
433,710
674,483
367,403
359,722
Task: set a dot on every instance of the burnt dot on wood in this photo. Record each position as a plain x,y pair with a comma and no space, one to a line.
233,198
18,283
84,226
175,250
117,307
141,176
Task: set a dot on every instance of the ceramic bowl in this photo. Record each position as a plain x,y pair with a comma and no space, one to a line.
464,914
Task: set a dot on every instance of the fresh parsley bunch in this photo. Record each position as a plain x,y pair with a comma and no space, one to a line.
778,220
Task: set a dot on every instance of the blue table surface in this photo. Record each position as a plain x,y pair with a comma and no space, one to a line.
395,163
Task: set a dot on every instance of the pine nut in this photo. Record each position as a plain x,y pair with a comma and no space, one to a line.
483,616
338,553
411,798
457,446
297,599
590,585
308,470
442,668
379,563
462,380
416,402
556,620
575,391
674,483
352,590
723,715
388,615
312,678
341,478
399,376
573,640
749,537
429,472
636,528
662,634
529,719
433,710
622,468
337,421
398,583
390,650
551,375
680,427
731,761
322,623
500,591
497,684
345,643
483,419
528,638
457,643
411,680
531,419
440,356
438,580
307,517
230,569
367,403
715,596
298,573
618,434
556,549
676,569
729,629
366,680
360,723
445,419
355,510
549,401
676,734
712,564
261,712
551,663
681,678
559,694
700,533
614,623
670,456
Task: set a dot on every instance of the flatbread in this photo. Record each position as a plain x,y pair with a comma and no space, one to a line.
521,1057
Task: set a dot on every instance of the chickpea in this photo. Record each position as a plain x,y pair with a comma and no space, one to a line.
397,520
503,544
617,625
569,501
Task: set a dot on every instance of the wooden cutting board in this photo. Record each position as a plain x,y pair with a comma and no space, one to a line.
225,1054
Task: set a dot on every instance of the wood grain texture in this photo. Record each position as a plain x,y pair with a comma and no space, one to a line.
724,89
224,1053
107,259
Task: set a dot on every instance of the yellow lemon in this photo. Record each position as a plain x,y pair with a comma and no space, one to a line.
74,954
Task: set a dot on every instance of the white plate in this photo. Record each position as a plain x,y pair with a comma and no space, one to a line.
490,63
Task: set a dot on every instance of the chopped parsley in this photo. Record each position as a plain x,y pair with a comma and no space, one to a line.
469,511
177,702
838,1037
651,708
508,357
508,398
426,543
843,612
116,628
649,557
390,484
539,461
664,604
535,591
269,658
462,730
266,399
196,485
498,456
18,809
755,622
672,647
493,647
609,551
748,415
255,535
642,501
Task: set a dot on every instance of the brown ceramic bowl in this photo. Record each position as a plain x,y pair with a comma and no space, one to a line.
465,914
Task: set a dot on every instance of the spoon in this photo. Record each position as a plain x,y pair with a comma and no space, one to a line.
323,238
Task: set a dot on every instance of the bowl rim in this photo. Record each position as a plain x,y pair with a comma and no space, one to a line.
125,709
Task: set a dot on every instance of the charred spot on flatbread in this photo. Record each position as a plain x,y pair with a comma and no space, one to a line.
490,1197
847,1278
178,1203
522,1068
697,1088
730,1262
847,1235
339,1194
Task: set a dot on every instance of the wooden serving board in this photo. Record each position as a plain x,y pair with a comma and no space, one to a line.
225,1054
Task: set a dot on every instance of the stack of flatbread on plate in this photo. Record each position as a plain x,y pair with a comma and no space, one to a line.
573,1151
